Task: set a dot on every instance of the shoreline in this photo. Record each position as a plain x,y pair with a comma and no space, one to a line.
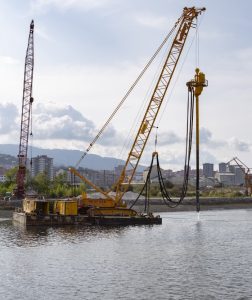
164,208
188,204
157,205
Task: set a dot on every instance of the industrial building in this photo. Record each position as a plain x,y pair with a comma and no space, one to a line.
226,178
222,167
208,170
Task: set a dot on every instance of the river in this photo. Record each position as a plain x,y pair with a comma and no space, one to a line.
184,258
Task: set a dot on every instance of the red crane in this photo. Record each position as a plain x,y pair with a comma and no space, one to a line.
26,115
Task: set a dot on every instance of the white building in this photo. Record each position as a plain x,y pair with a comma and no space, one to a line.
227,178
42,164
3,178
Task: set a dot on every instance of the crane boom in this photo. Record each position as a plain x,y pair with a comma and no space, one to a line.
83,178
189,14
26,114
183,28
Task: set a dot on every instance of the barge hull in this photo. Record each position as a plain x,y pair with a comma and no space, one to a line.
59,220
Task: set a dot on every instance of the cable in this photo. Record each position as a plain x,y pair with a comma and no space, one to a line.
128,92
164,192
198,24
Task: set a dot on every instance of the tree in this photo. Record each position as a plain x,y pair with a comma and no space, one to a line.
41,183
60,179
11,176
169,184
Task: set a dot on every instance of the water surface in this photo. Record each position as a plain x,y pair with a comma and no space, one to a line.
182,259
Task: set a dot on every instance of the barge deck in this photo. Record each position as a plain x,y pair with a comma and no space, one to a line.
27,219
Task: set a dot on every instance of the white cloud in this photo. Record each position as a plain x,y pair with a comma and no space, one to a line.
168,138
65,123
96,86
207,139
205,135
239,145
208,157
61,122
62,126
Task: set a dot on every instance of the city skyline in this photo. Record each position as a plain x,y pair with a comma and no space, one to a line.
87,54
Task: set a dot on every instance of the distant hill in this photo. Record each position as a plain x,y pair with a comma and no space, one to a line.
63,157
8,161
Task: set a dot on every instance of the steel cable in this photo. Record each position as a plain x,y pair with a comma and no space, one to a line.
164,192
128,92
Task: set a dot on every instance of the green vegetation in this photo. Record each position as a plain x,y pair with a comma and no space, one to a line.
226,192
8,186
59,187
175,191
53,189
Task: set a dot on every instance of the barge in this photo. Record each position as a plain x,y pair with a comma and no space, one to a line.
36,212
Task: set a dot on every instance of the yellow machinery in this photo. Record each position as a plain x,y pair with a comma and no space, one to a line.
114,204
42,207
66,207
196,85
35,206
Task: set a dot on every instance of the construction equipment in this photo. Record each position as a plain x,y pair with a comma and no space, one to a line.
184,23
26,115
196,87
246,171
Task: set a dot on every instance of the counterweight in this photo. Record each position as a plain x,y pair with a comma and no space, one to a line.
26,114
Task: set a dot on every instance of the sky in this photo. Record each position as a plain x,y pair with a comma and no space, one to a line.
89,52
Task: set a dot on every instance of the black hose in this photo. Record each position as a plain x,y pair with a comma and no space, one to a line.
164,192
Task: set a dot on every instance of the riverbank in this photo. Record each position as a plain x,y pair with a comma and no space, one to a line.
158,205
188,204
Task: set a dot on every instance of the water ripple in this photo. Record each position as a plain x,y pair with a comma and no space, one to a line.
182,259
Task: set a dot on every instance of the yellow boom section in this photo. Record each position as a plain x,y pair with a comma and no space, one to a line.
84,179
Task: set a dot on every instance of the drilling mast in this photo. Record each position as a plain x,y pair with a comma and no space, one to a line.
26,115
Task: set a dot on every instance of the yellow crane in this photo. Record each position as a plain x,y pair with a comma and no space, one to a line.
113,204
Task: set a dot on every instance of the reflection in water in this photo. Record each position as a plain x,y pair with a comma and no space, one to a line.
182,259
20,236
